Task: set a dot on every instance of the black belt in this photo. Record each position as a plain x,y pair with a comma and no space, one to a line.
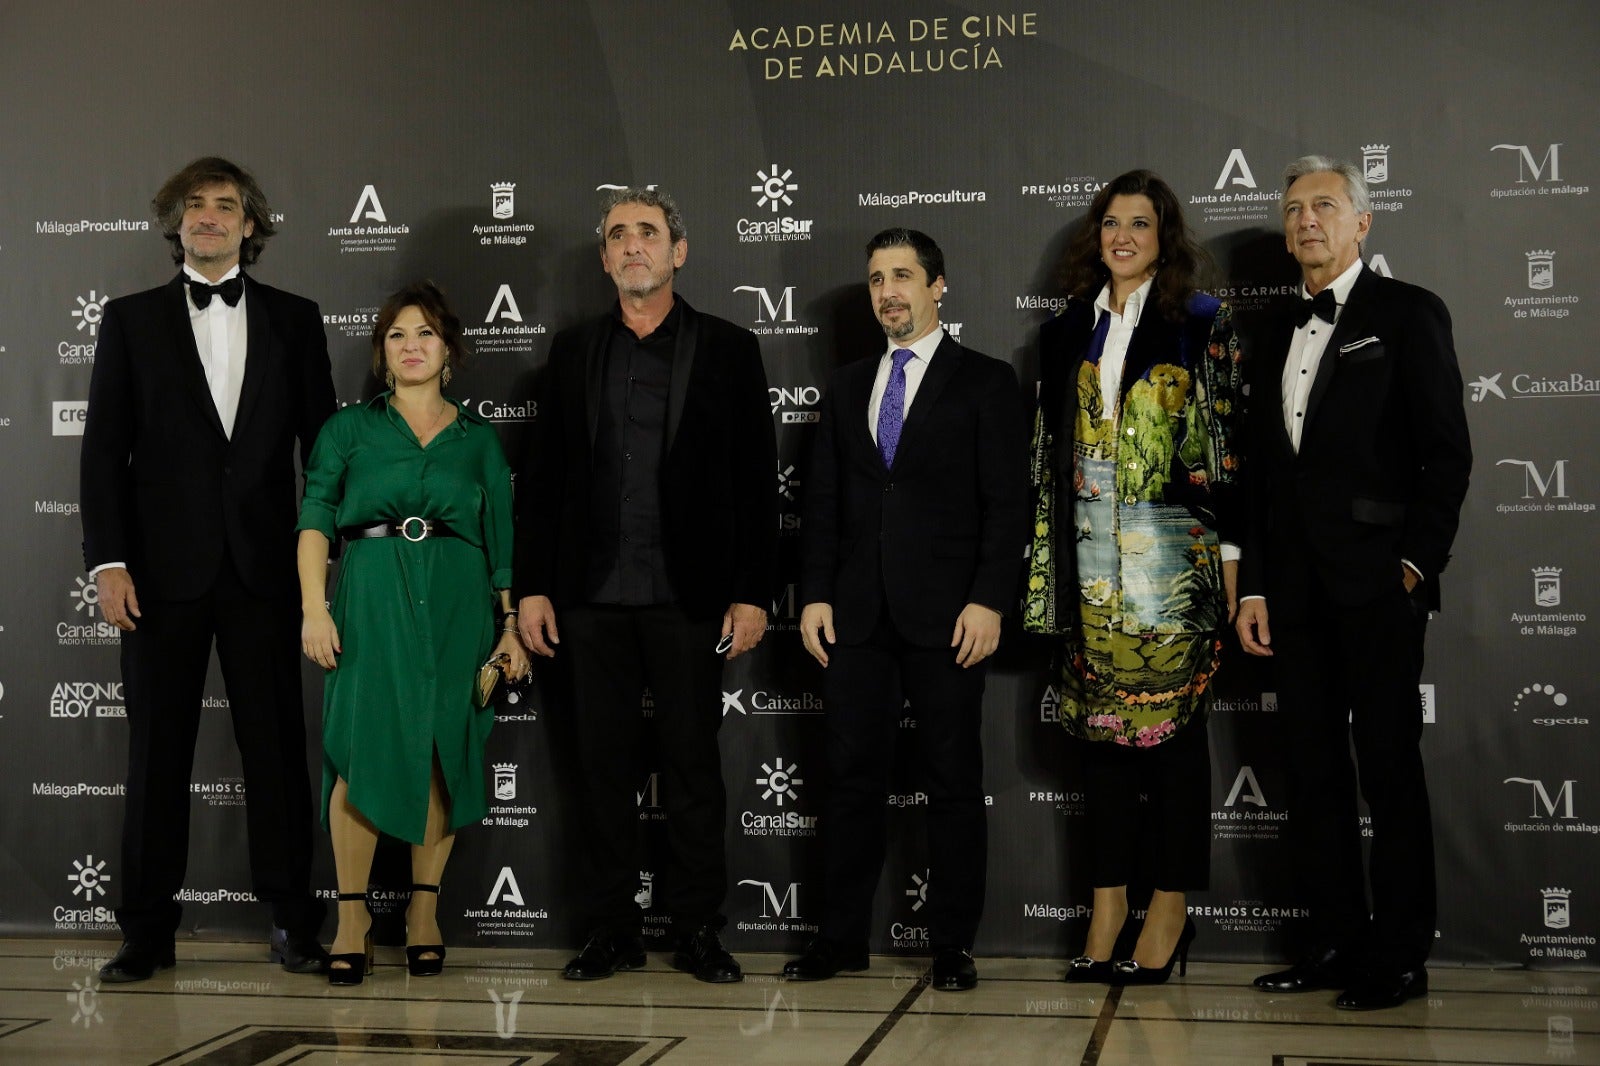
413,529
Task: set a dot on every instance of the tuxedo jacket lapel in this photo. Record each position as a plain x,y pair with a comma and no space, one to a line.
258,353
1352,322
187,354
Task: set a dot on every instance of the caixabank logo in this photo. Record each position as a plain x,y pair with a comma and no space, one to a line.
774,191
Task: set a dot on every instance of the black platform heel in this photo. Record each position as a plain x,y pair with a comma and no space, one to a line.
416,965
355,964
1128,972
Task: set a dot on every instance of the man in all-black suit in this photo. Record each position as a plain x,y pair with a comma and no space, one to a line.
1360,461
201,389
916,517
647,519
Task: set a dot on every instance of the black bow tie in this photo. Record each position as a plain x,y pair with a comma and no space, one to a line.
229,290
1322,305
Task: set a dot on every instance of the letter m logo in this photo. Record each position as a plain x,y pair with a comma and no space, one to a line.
1543,803
767,309
1526,163
1534,482
774,905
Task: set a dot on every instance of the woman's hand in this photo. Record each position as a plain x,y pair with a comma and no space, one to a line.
319,637
510,644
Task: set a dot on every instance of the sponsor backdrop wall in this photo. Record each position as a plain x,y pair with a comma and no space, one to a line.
395,143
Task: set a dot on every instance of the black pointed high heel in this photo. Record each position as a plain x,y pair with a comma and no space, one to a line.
1128,972
1086,970
416,965
355,964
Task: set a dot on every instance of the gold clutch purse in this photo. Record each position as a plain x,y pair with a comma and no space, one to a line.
491,677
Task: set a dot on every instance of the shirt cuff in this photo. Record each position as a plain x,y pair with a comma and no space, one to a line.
1231,552
106,566
1409,565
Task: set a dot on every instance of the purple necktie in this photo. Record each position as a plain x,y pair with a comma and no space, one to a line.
892,411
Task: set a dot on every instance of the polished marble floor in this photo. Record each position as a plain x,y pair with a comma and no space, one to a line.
225,1004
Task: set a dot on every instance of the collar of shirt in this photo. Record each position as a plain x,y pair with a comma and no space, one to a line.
921,349
1341,285
1132,308
668,327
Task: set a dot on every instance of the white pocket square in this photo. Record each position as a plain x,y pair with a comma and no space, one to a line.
1362,343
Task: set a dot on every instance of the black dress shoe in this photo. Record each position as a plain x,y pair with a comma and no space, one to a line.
604,955
297,952
1329,968
702,954
1380,991
136,962
954,970
1083,969
824,959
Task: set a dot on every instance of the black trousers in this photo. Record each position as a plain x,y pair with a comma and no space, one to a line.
866,687
617,652
1149,812
1350,674
164,663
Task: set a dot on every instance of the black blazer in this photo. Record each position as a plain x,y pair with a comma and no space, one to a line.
162,487
1384,455
719,513
946,526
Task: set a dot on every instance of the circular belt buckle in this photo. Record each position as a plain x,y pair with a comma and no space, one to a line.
422,524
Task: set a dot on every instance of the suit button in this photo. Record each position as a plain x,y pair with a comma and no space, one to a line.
889,487
1132,465
1129,501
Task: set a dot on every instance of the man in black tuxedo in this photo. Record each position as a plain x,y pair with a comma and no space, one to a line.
647,520
1360,461
201,389
916,517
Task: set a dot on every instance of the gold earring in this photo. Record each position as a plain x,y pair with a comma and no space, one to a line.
388,378
444,377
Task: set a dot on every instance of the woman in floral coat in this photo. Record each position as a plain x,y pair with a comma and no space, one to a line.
1134,462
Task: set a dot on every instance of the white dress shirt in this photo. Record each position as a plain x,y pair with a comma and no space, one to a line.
1305,354
220,333
921,355
1118,336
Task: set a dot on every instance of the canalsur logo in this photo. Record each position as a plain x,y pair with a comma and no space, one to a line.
85,1000
787,482
369,228
88,878
86,597
1546,705
78,350
504,330
917,893
772,223
1538,171
1235,197
906,934
83,626
780,783
503,206
1375,168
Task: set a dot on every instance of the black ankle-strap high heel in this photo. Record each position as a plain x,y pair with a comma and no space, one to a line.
355,964
416,965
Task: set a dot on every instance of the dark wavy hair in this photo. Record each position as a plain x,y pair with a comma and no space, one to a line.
929,255
428,298
1179,263
213,170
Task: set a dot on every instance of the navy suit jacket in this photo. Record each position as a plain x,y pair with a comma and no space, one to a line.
944,527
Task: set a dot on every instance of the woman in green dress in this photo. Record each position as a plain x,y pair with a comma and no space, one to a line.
421,493
1134,457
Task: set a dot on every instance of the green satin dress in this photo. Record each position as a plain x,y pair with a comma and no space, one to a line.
415,619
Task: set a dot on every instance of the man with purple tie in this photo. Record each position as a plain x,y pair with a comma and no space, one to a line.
916,517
